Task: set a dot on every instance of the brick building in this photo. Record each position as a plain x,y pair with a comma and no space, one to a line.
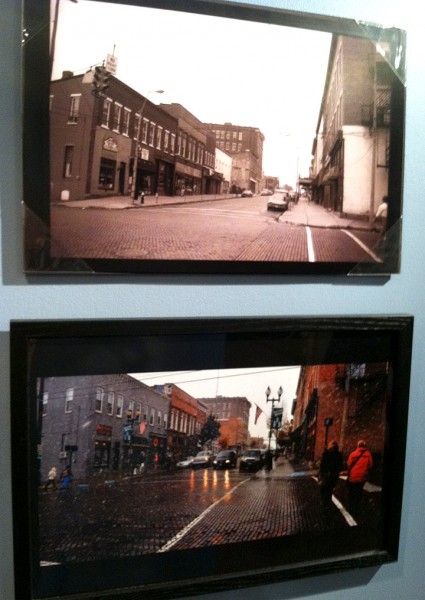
93,141
233,415
345,403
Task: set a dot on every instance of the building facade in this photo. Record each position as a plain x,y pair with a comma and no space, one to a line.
245,146
233,415
351,151
195,154
103,423
340,402
94,141
183,422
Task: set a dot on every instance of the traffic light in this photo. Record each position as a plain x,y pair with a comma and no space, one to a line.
101,79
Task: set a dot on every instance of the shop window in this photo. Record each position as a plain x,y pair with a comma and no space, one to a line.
101,454
107,173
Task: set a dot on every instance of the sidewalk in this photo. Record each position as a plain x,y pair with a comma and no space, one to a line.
304,213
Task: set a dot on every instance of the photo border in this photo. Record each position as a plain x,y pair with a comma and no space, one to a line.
59,348
36,162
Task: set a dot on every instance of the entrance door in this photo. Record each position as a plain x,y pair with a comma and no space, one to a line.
121,178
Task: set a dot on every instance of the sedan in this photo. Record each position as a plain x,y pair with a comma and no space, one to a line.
185,463
279,201
266,193
202,460
226,459
247,194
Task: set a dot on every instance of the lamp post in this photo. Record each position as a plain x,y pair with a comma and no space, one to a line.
272,400
136,154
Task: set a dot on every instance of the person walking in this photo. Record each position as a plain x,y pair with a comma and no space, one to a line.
330,468
359,464
51,479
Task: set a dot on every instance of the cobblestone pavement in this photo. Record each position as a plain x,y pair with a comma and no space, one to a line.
188,509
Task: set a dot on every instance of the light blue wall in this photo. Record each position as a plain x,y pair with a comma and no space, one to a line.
102,297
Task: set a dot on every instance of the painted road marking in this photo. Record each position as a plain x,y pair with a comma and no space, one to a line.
192,524
375,257
310,248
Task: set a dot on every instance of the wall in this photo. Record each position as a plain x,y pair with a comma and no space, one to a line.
74,297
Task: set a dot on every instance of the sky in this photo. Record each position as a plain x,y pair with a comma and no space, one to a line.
221,70
248,383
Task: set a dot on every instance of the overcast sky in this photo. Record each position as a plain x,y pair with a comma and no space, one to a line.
248,383
221,70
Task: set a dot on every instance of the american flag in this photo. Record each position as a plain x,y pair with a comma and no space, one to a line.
258,412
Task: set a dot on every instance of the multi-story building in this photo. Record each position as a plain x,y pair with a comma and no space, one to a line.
233,415
345,403
94,140
195,154
183,421
108,423
245,146
223,166
350,167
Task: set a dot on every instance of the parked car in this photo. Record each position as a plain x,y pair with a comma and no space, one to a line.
185,463
226,459
202,460
266,192
279,201
251,460
247,194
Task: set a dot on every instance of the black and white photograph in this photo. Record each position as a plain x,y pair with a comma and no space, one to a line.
223,140
226,465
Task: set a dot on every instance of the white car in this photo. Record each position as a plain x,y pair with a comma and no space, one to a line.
202,460
185,463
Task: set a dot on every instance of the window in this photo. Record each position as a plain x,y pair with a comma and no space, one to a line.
166,141
117,118
69,397
119,408
99,400
51,102
107,173
173,143
165,420
159,138
151,134
74,109
145,131
126,122
136,134
44,403
130,409
152,417
138,411
110,404
107,103
159,418
67,162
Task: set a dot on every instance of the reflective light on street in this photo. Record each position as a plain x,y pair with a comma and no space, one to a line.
205,479
226,479
192,479
214,480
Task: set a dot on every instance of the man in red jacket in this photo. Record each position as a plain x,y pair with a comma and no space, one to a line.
359,464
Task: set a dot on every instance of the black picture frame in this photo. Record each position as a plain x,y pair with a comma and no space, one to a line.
355,348
366,250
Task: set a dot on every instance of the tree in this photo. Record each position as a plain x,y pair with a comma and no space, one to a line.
210,430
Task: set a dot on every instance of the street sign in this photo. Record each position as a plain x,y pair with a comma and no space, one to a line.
111,64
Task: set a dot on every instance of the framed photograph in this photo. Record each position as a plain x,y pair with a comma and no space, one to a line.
210,137
172,457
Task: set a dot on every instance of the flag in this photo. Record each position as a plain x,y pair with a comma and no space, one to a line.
258,412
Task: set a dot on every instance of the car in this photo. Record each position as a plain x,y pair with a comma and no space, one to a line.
202,460
251,460
185,463
225,459
247,194
266,192
279,201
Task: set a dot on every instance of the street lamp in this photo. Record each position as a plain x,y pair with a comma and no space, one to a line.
136,154
272,400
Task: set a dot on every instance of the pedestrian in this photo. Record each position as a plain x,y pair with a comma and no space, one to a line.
268,463
66,478
51,479
381,215
359,464
330,468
